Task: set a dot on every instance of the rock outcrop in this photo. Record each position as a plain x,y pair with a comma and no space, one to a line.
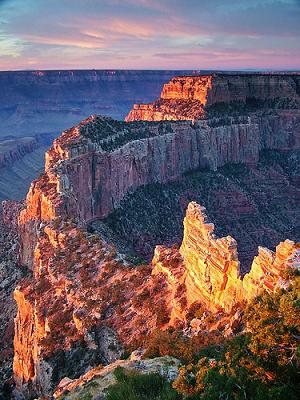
212,263
96,381
192,97
212,269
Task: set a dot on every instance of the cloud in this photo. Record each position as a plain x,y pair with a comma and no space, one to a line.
149,33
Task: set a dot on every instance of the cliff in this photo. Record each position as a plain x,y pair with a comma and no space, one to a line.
10,274
91,167
193,97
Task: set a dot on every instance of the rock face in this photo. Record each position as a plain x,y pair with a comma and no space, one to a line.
10,274
213,269
191,97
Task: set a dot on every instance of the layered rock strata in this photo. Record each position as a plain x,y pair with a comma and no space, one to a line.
191,97
91,167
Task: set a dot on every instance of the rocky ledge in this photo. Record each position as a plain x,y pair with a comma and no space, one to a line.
97,380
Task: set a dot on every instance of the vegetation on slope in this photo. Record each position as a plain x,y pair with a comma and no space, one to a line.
111,134
134,386
262,363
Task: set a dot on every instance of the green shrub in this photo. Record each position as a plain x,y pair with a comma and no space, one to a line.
133,386
261,364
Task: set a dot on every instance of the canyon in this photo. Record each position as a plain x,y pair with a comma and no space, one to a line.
40,104
12,150
21,160
83,301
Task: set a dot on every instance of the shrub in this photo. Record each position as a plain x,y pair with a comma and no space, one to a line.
133,386
260,364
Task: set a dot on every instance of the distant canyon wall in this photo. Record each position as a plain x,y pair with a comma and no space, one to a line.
38,102
191,97
12,149
44,103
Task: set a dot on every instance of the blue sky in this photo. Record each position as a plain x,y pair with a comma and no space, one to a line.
154,34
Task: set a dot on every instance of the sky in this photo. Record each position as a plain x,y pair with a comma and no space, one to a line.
149,34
